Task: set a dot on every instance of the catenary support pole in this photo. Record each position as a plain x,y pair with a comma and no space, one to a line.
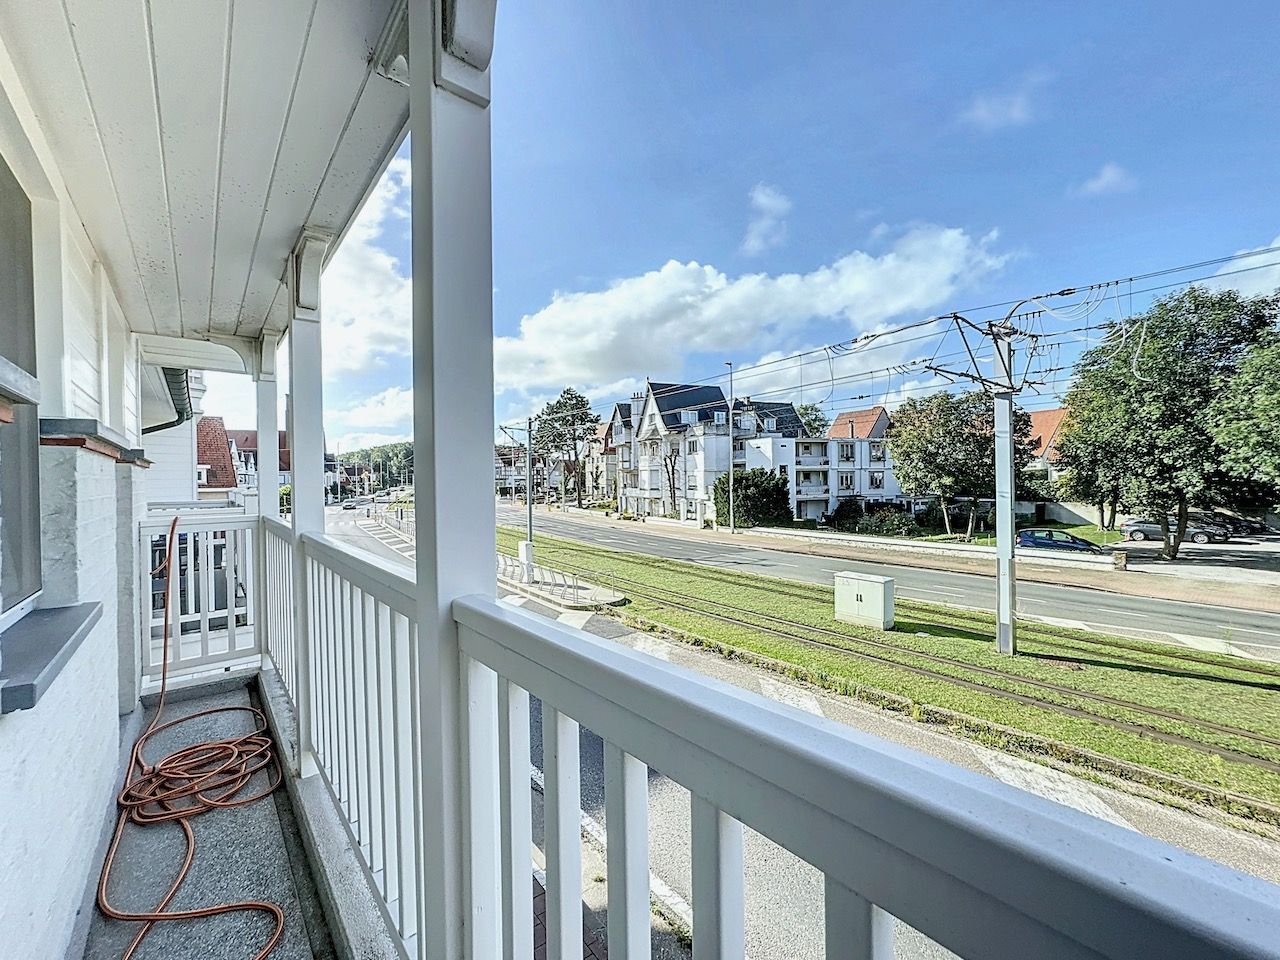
1006,580
729,364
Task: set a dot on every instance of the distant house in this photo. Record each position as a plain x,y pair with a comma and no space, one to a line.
868,424
215,466
1046,428
245,444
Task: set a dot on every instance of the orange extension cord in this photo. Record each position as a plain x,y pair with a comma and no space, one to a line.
194,780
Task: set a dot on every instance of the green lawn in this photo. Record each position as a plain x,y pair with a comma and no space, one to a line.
1213,688
1085,531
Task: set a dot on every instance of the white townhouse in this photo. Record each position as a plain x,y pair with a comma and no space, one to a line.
174,179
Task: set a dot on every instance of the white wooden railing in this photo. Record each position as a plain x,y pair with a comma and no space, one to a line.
985,870
211,591
360,716
276,620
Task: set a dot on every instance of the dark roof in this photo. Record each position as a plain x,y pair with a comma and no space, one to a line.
672,398
789,423
865,424
213,450
623,411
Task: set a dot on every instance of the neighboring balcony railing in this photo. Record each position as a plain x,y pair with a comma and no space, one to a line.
985,870
812,460
211,590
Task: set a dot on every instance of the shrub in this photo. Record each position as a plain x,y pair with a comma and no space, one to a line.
760,499
805,524
846,515
889,523
931,518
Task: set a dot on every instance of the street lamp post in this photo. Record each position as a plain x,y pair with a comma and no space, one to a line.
729,364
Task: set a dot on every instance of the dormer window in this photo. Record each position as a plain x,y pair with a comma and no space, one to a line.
770,424
721,418
689,416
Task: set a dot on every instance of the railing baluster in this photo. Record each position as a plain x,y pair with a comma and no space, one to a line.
626,799
562,815
719,931
480,708
386,720
856,928
517,821
200,584
369,635
229,573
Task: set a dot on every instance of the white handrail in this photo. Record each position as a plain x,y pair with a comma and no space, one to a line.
984,869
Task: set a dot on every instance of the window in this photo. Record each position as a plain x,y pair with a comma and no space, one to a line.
20,574
846,451
877,450
688,416
876,479
693,446
739,446
721,418
846,479
770,423
782,470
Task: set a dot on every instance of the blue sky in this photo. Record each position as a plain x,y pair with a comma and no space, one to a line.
674,187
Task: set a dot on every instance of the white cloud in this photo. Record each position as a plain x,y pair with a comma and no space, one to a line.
391,407
768,226
1263,281
366,303
1112,178
652,322
1012,106
357,440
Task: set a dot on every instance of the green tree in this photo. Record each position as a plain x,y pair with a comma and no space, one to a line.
761,498
1144,429
286,496
1246,415
563,429
815,422
945,444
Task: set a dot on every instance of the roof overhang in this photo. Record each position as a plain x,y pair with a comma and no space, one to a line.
198,140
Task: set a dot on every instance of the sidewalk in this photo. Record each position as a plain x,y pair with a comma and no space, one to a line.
1263,597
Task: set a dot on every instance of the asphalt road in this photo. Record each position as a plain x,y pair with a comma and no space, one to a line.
1195,624
784,894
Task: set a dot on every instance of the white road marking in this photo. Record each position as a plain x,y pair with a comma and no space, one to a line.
945,593
791,696
645,643
1263,633
576,618
1050,784
1063,622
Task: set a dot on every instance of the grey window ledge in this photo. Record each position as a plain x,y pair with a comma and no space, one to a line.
37,647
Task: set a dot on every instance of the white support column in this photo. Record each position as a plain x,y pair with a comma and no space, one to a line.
450,42
268,430
306,447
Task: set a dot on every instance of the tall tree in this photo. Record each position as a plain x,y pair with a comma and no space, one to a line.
761,498
945,444
1144,427
814,421
563,430
1246,415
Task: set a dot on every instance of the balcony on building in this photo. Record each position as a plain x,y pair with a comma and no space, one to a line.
177,178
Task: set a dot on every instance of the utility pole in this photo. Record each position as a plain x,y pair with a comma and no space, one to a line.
1006,575
1002,387
526,548
729,364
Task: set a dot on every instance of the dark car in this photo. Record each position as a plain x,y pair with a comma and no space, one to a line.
1140,528
1043,538
1239,526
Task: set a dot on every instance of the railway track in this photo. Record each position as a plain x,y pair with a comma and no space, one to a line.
889,654
1041,634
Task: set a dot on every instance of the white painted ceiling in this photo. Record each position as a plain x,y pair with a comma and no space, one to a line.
198,137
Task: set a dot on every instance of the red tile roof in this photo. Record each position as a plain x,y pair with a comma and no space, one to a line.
859,424
1045,427
213,450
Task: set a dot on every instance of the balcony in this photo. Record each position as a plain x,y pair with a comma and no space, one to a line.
812,460
981,868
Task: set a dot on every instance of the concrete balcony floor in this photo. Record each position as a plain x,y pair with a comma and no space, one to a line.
252,852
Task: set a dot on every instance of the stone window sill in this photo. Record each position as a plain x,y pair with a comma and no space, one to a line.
36,648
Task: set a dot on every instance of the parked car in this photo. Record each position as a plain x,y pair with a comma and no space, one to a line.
355,503
1238,526
1140,528
1043,538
